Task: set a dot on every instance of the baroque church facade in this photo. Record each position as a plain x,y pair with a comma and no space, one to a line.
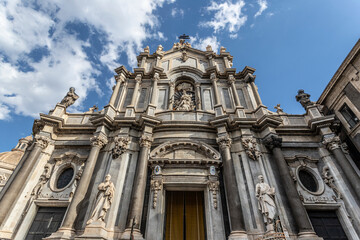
185,149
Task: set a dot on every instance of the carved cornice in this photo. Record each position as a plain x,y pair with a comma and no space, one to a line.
224,141
331,142
272,141
250,145
146,141
121,145
98,141
42,141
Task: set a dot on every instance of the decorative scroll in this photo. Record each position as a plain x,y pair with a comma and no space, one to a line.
214,188
98,141
156,185
250,148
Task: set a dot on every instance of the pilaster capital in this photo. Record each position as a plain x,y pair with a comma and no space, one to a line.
224,141
121,145
272,141
146,141
331,142
249,78
156,76
213,77
197,84
98,141
42,141
231,79
138,78
120,78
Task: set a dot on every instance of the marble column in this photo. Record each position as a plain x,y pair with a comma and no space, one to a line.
119,80
332,142
251,80
273,143
171,94
136,90
97,142
237,224
231,81
41,142
214,80
156,79
138,193
198,96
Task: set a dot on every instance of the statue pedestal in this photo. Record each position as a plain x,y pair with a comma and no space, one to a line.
136,233
238,235
58,111
62,233
95,230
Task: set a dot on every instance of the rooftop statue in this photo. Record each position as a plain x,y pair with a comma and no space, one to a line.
70,98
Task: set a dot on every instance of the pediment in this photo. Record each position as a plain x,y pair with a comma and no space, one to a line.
185,150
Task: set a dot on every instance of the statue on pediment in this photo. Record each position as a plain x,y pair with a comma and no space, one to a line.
70,98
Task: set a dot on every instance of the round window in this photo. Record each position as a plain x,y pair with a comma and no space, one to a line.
308,180
65,178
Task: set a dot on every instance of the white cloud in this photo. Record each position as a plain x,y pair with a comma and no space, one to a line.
263,6
228,16
175,12
27,86
202,43
233,36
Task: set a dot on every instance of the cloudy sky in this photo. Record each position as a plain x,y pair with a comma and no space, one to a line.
48,46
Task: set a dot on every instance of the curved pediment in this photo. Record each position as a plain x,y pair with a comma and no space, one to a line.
185,150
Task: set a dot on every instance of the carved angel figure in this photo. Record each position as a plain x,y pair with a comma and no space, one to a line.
45,176
103,200
185,103
70,98
266,200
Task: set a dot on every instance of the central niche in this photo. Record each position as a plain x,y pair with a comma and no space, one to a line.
184,97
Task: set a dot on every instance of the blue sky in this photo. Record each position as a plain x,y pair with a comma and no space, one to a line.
48,46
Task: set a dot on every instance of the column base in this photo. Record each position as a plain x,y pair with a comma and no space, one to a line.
62,233
238,235
95,230
136,233
309,236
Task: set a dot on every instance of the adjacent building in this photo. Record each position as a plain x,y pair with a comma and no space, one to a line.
185,149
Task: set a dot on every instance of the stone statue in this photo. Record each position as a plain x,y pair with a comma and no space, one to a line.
185,103
103,200
303,98
159,51
266,202
147,49
70,98
45,176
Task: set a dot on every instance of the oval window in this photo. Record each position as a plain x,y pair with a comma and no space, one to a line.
308,180
65,178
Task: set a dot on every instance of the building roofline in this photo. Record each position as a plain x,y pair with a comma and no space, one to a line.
354,51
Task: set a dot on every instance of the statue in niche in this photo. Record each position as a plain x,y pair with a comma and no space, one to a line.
103,200
184,97
266,202
45,176
70,98
303,98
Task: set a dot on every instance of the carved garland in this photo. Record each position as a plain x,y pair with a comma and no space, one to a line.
250,148
156,185
121,145
214,187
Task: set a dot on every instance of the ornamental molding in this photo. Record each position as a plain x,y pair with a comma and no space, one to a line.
156,186
331,142
272,141
43,141
214,188
98,141
250,146
231,79
70,157
200,147
224,141
329,180
121,145
146,141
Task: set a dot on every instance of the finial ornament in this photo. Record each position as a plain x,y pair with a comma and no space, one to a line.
70,98
279,110
304,98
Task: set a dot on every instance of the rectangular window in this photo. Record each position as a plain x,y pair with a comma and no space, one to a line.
207,105
242,98
162,99
129,94
142,98
226,97
349,116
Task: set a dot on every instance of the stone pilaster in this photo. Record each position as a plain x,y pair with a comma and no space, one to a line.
130,110
332,143
218,107
239,109
171,95
198,96
306,231
251,80
119,80
153,103
6,202
237,224
66,230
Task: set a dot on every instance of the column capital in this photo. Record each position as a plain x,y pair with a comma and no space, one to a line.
138,78
272,141
146,141
120,78
224,141
98,141
156,76
331,142
231,79
42,141
197,84
213,77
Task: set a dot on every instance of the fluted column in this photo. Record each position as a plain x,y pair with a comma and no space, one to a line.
171,95
119,80
198,94
138,193
273,143
332,142
16,185
237,224
97,142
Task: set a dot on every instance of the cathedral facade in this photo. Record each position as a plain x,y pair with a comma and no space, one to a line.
185,149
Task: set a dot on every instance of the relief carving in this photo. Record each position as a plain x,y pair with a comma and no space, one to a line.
250,145
121,145
42,141
329,180
44,178
98,141
156,185
214,188
184,97
224,141
331,142
272,142
146,141
70,98
104,199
